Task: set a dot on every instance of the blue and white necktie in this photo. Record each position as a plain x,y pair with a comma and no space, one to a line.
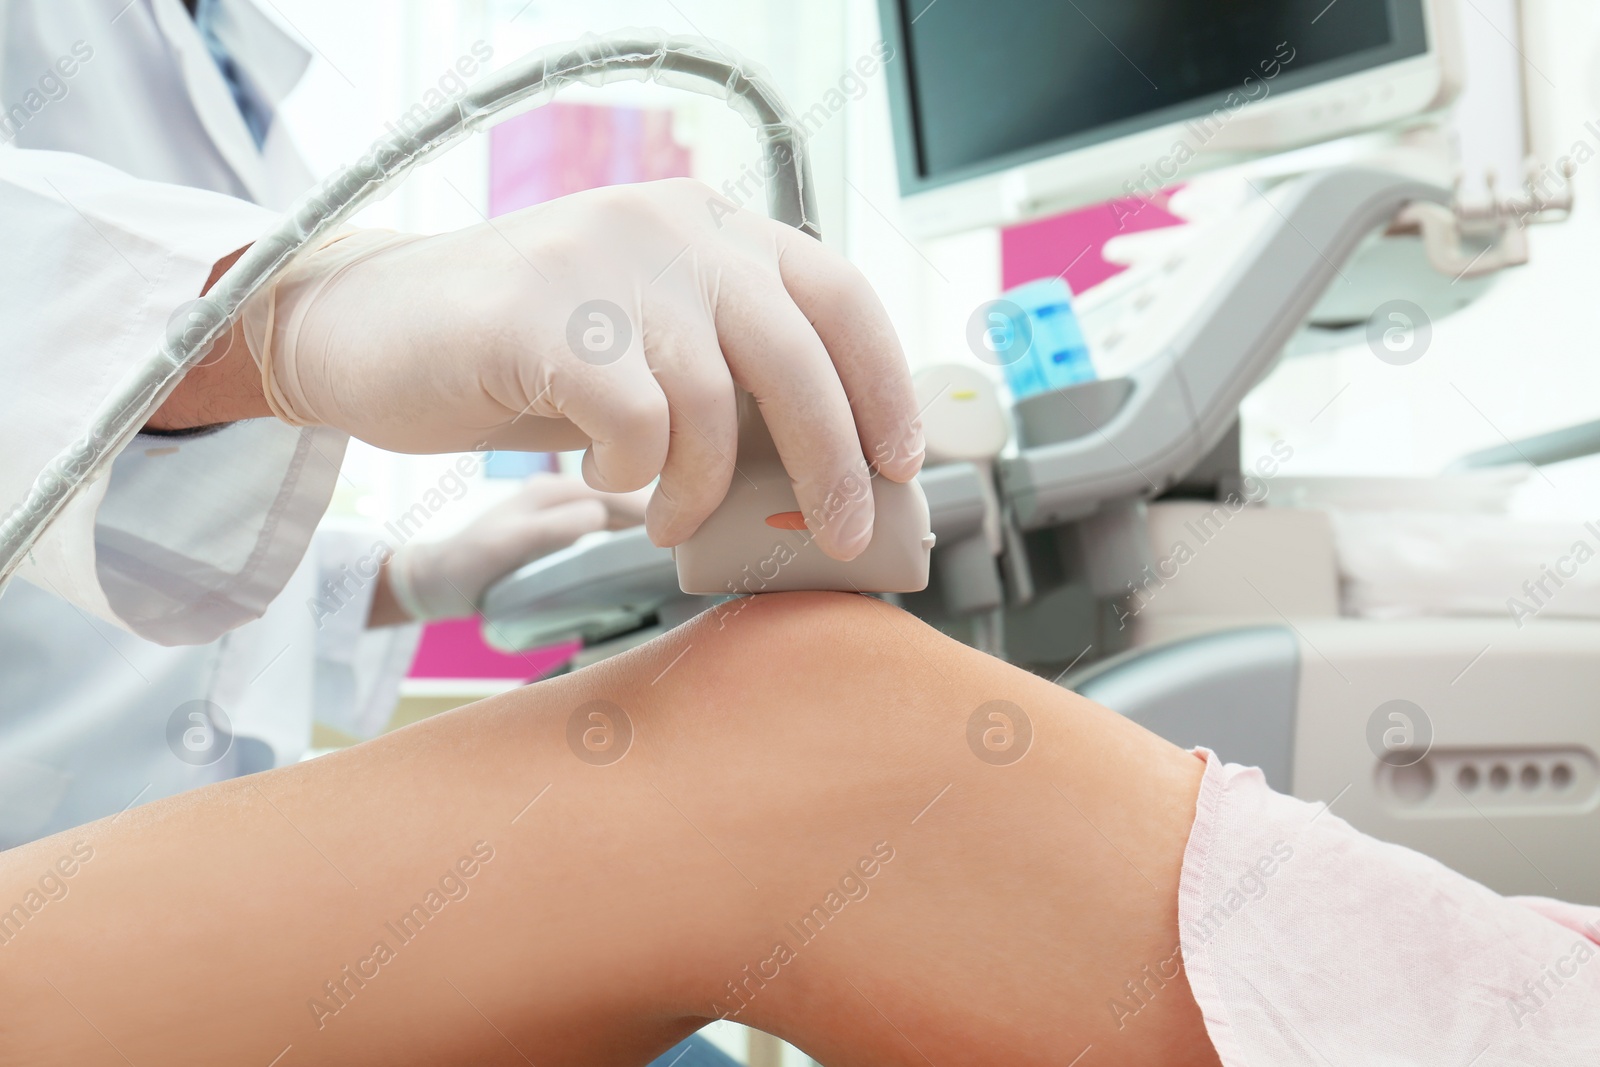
257,114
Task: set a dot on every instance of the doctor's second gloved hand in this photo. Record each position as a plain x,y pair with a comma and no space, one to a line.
446,579
618,320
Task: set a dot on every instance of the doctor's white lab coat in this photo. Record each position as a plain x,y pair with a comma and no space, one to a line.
126,173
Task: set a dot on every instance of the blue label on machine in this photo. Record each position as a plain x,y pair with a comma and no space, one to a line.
1058,355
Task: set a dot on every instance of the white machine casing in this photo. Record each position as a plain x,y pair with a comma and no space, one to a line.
1488,756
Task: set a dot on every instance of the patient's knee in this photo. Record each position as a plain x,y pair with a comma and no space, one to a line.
810,654
793,616
798,640
829,665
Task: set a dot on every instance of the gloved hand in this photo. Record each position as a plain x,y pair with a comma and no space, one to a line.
618,320
446,579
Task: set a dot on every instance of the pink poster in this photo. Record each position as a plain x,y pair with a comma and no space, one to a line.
1069,245
566,148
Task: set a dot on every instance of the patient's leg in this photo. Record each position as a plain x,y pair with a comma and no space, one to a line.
804,772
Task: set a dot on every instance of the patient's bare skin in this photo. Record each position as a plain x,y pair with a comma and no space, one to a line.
984,909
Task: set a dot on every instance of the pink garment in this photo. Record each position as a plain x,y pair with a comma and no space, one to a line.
1307,942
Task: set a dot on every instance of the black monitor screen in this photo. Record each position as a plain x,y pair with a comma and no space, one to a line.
989,83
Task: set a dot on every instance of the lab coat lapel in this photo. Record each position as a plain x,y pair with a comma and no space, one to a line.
273,59
275,63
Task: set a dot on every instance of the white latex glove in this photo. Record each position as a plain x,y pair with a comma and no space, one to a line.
446,579
618,320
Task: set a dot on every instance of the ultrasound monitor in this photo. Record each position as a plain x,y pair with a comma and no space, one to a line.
1005,110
